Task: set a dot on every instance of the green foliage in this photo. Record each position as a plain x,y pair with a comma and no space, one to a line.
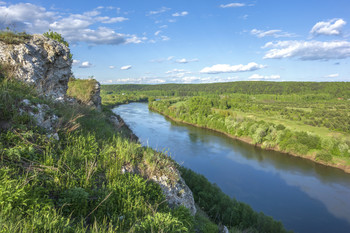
10,37
74,202
324,156
56,36
162,223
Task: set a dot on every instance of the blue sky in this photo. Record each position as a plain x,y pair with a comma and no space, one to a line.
195,41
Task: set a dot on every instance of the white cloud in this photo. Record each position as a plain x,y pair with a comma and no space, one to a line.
332,27
75,62
332,76
164,26
274,33
178,14
232,5
26,16
162,59
185,61
114,20
161,10
308,50
165,38
157,33
128,67
2,3
225,68
107,81
175,71
111,67
142,80
85,64
262,77
73,27
133,39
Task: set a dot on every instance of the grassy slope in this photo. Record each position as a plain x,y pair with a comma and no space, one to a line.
75,184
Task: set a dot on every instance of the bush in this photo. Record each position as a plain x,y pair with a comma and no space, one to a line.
56,36
324,156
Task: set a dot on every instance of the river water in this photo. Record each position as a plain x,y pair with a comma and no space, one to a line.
305,196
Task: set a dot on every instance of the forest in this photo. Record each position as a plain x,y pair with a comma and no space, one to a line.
306,119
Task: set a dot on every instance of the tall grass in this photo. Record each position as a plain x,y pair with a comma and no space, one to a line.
75,184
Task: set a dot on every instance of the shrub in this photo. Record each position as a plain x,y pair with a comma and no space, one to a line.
56,36
324,156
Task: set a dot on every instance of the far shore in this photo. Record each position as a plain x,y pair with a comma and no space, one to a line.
345,168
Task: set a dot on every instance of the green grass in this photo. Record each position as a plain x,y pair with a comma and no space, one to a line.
75,184
10,37
81,89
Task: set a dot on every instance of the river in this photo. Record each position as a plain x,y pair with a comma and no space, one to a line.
305,196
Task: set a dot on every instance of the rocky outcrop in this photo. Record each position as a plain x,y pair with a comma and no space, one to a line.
42,116
176,193
95,99
41,61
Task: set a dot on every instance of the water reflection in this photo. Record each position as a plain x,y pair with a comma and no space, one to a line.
305,196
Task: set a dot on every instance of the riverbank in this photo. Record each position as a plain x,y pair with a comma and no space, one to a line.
335,164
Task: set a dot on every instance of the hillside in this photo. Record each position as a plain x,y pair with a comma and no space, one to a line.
66,166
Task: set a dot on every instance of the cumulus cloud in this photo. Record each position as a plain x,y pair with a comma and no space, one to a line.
128,67
235,4
111,67
262,77
85,64
178,14
332,27
308,50
273,33
74,27
225,68
157,33
332,76
27,16
185,61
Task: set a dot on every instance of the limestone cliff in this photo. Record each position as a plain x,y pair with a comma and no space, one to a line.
41,61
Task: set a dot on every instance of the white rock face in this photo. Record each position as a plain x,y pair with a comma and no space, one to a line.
176,194
42,116
40,61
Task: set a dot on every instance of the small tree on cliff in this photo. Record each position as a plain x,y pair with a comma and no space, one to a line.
56,36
